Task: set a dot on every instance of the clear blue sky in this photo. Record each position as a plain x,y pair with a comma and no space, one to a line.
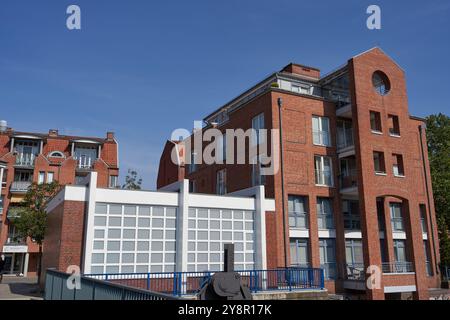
143,68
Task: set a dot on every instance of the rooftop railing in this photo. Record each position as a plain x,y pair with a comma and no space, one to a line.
397,267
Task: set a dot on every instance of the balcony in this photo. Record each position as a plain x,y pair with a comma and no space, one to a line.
84,163
355,271
14,212
20,186
349,183
345,142
397,267
25,160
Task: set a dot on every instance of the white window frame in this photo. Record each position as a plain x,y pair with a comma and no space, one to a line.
258,123
320,131
50,176
319,172
41,177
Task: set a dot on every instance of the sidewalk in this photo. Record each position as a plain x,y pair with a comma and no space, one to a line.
19,288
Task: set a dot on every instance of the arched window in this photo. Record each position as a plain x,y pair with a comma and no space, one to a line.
381,83
56,154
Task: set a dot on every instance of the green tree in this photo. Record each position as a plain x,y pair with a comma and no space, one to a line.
438,138
31,222
132,182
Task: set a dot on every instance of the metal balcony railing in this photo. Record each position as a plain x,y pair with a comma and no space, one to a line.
25,159
355,271
397,267
20,186
345,138
85,163
349,180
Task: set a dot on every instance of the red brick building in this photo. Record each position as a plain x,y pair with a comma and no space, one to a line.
35,157
353,189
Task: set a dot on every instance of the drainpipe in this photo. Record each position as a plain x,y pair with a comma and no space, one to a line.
280,104
428,198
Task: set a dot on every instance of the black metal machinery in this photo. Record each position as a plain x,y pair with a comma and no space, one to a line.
226,285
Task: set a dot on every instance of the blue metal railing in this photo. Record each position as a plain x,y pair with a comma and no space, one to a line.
56,288
190,283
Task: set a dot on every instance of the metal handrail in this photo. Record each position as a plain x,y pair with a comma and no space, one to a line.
397,267
25,159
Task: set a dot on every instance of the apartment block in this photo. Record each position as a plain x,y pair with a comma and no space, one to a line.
353,192
27,157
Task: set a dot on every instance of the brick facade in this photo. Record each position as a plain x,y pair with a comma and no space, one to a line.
411,189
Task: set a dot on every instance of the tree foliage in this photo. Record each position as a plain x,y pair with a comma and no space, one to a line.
132,182
438,138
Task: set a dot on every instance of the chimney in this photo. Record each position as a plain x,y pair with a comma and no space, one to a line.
302,70
110,136
53,133
214,124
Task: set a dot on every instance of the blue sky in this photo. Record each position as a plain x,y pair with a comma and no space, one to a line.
143,68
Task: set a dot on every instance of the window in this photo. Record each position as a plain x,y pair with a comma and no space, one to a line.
258,124
300,89
396,216
380,215
400,251
23,175
298,212
113,181
321,131
352,218
323,169
354,253
223,148
397,166
50,177
426,249
383,251
327,250
41,177
299,252
381,83
375,121
193,165
378,162
344,134
56,154
221,181
394,126
257,177
1,204
423,217
325,213
192,186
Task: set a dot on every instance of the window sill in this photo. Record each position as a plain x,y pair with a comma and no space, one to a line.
322,145
324,186
394,135
399,175
381,174
377,132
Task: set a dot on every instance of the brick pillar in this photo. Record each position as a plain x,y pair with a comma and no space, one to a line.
313,233
340,237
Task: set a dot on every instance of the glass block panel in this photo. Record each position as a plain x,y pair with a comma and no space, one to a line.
170,235
144,223
238,236
239,267
143,234
112,258
214,224
98,258
202,224
128,258
249,236
142,269
170,223
115,221
202,267
238,215
191,224
214,257
239,246
249,226
144,211
157,234
157,223
170,246
115,209
157,245
202,246
226,235
158,211
129,233
101,208
226,225
191,235
226,214
112,269
214,246
127,269
215,267
99,245
143,246
202,235
249,215
214,235
249,257
191,246
239,257
191,257
128,246
192,213
238,225
129,210
169,268
97,270
113,245
100,221
129,222
249,246
171,212
99,234
202,213
170,257
191,267
114,233
202,257
157,257
156,268
214,214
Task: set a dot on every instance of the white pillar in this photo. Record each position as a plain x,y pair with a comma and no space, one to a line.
25,264
92,188
182,231
41,147
260,233
72,153
1,177
12,145
99,151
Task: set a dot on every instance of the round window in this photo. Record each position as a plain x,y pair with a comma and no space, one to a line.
381,83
